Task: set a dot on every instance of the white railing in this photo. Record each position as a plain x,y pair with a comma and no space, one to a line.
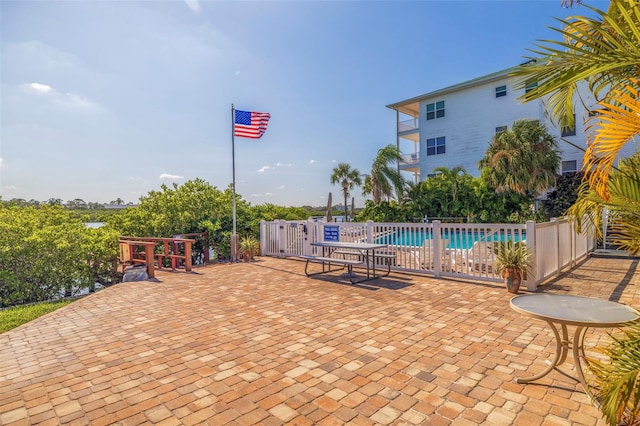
461,250
409,159
407,125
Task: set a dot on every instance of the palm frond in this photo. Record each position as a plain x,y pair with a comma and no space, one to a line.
617,379
614,126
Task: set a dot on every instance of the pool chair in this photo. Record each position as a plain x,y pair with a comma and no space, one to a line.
424,257
480,258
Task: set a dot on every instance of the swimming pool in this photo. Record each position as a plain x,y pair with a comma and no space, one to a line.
458,239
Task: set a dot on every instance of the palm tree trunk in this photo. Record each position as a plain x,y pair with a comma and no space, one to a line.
345,190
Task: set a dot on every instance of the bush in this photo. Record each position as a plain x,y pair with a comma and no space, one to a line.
46,253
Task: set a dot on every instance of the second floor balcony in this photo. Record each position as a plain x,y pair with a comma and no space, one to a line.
408,129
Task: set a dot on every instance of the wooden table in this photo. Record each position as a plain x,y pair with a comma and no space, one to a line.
360,255
578,311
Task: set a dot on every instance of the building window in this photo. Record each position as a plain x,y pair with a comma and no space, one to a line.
568,131
436,146
569,167
435,110
501,129
501,91
530,87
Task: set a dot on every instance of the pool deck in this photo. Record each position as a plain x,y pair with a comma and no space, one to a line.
260,343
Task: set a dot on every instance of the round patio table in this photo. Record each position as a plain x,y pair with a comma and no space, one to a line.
579,311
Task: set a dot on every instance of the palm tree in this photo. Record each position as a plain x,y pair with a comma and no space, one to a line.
384,178
348,178
601,54
618,379
524,159
623,203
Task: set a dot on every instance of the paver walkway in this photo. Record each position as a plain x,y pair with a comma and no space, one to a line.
260,343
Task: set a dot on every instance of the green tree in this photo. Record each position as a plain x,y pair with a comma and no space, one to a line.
348,179
43,254
564,195
195,206
601,55
623,204
524,159
385,179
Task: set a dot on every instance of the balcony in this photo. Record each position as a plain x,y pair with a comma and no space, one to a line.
408,125
408,129
410,162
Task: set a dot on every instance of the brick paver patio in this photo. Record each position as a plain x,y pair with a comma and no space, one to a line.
260,343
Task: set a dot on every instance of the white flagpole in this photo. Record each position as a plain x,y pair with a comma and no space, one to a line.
234,237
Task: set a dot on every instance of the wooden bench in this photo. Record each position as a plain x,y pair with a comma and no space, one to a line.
128,255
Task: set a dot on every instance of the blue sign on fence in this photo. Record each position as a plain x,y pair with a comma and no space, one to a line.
331,233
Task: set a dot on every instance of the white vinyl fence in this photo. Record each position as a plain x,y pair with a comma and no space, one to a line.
461,250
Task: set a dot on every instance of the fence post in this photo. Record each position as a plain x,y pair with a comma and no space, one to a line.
282,237
532,282
370,231
308,237
437,253
263,238
556,225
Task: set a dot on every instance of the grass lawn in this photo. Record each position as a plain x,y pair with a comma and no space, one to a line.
13,317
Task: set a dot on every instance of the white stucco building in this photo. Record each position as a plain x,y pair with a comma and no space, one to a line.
453,126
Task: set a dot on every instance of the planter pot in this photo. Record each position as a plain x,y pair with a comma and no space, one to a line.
512,280
247,256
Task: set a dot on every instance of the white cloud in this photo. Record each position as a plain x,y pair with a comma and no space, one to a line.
67,100
135,178
40,88
1,161
10,187
312,161
281,187
194,5
268,194
279,164
168,176
263,169
334,161
77,102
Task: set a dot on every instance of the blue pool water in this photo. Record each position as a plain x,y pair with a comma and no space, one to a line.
457,239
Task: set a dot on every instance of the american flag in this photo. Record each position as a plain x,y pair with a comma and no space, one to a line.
248,124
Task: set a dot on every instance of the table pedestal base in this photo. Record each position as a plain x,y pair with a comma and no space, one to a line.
562,350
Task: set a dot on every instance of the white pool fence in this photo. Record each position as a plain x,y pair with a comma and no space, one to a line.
460,250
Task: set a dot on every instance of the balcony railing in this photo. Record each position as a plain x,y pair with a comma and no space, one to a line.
409,159
408,125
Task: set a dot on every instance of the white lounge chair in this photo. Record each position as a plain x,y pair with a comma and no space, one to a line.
480,257
424,257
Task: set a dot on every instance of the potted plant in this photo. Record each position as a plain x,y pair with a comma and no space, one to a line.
513,263
249,246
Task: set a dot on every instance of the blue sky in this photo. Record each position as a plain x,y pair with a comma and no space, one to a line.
107,100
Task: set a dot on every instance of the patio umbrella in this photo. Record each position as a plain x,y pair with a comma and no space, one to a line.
353,208
329,208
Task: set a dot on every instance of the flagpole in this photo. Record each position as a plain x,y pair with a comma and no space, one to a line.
234,237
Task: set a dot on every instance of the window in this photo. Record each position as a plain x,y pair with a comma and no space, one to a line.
569,167
568,131
530,87
501,129
435,110
436,146
501,91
